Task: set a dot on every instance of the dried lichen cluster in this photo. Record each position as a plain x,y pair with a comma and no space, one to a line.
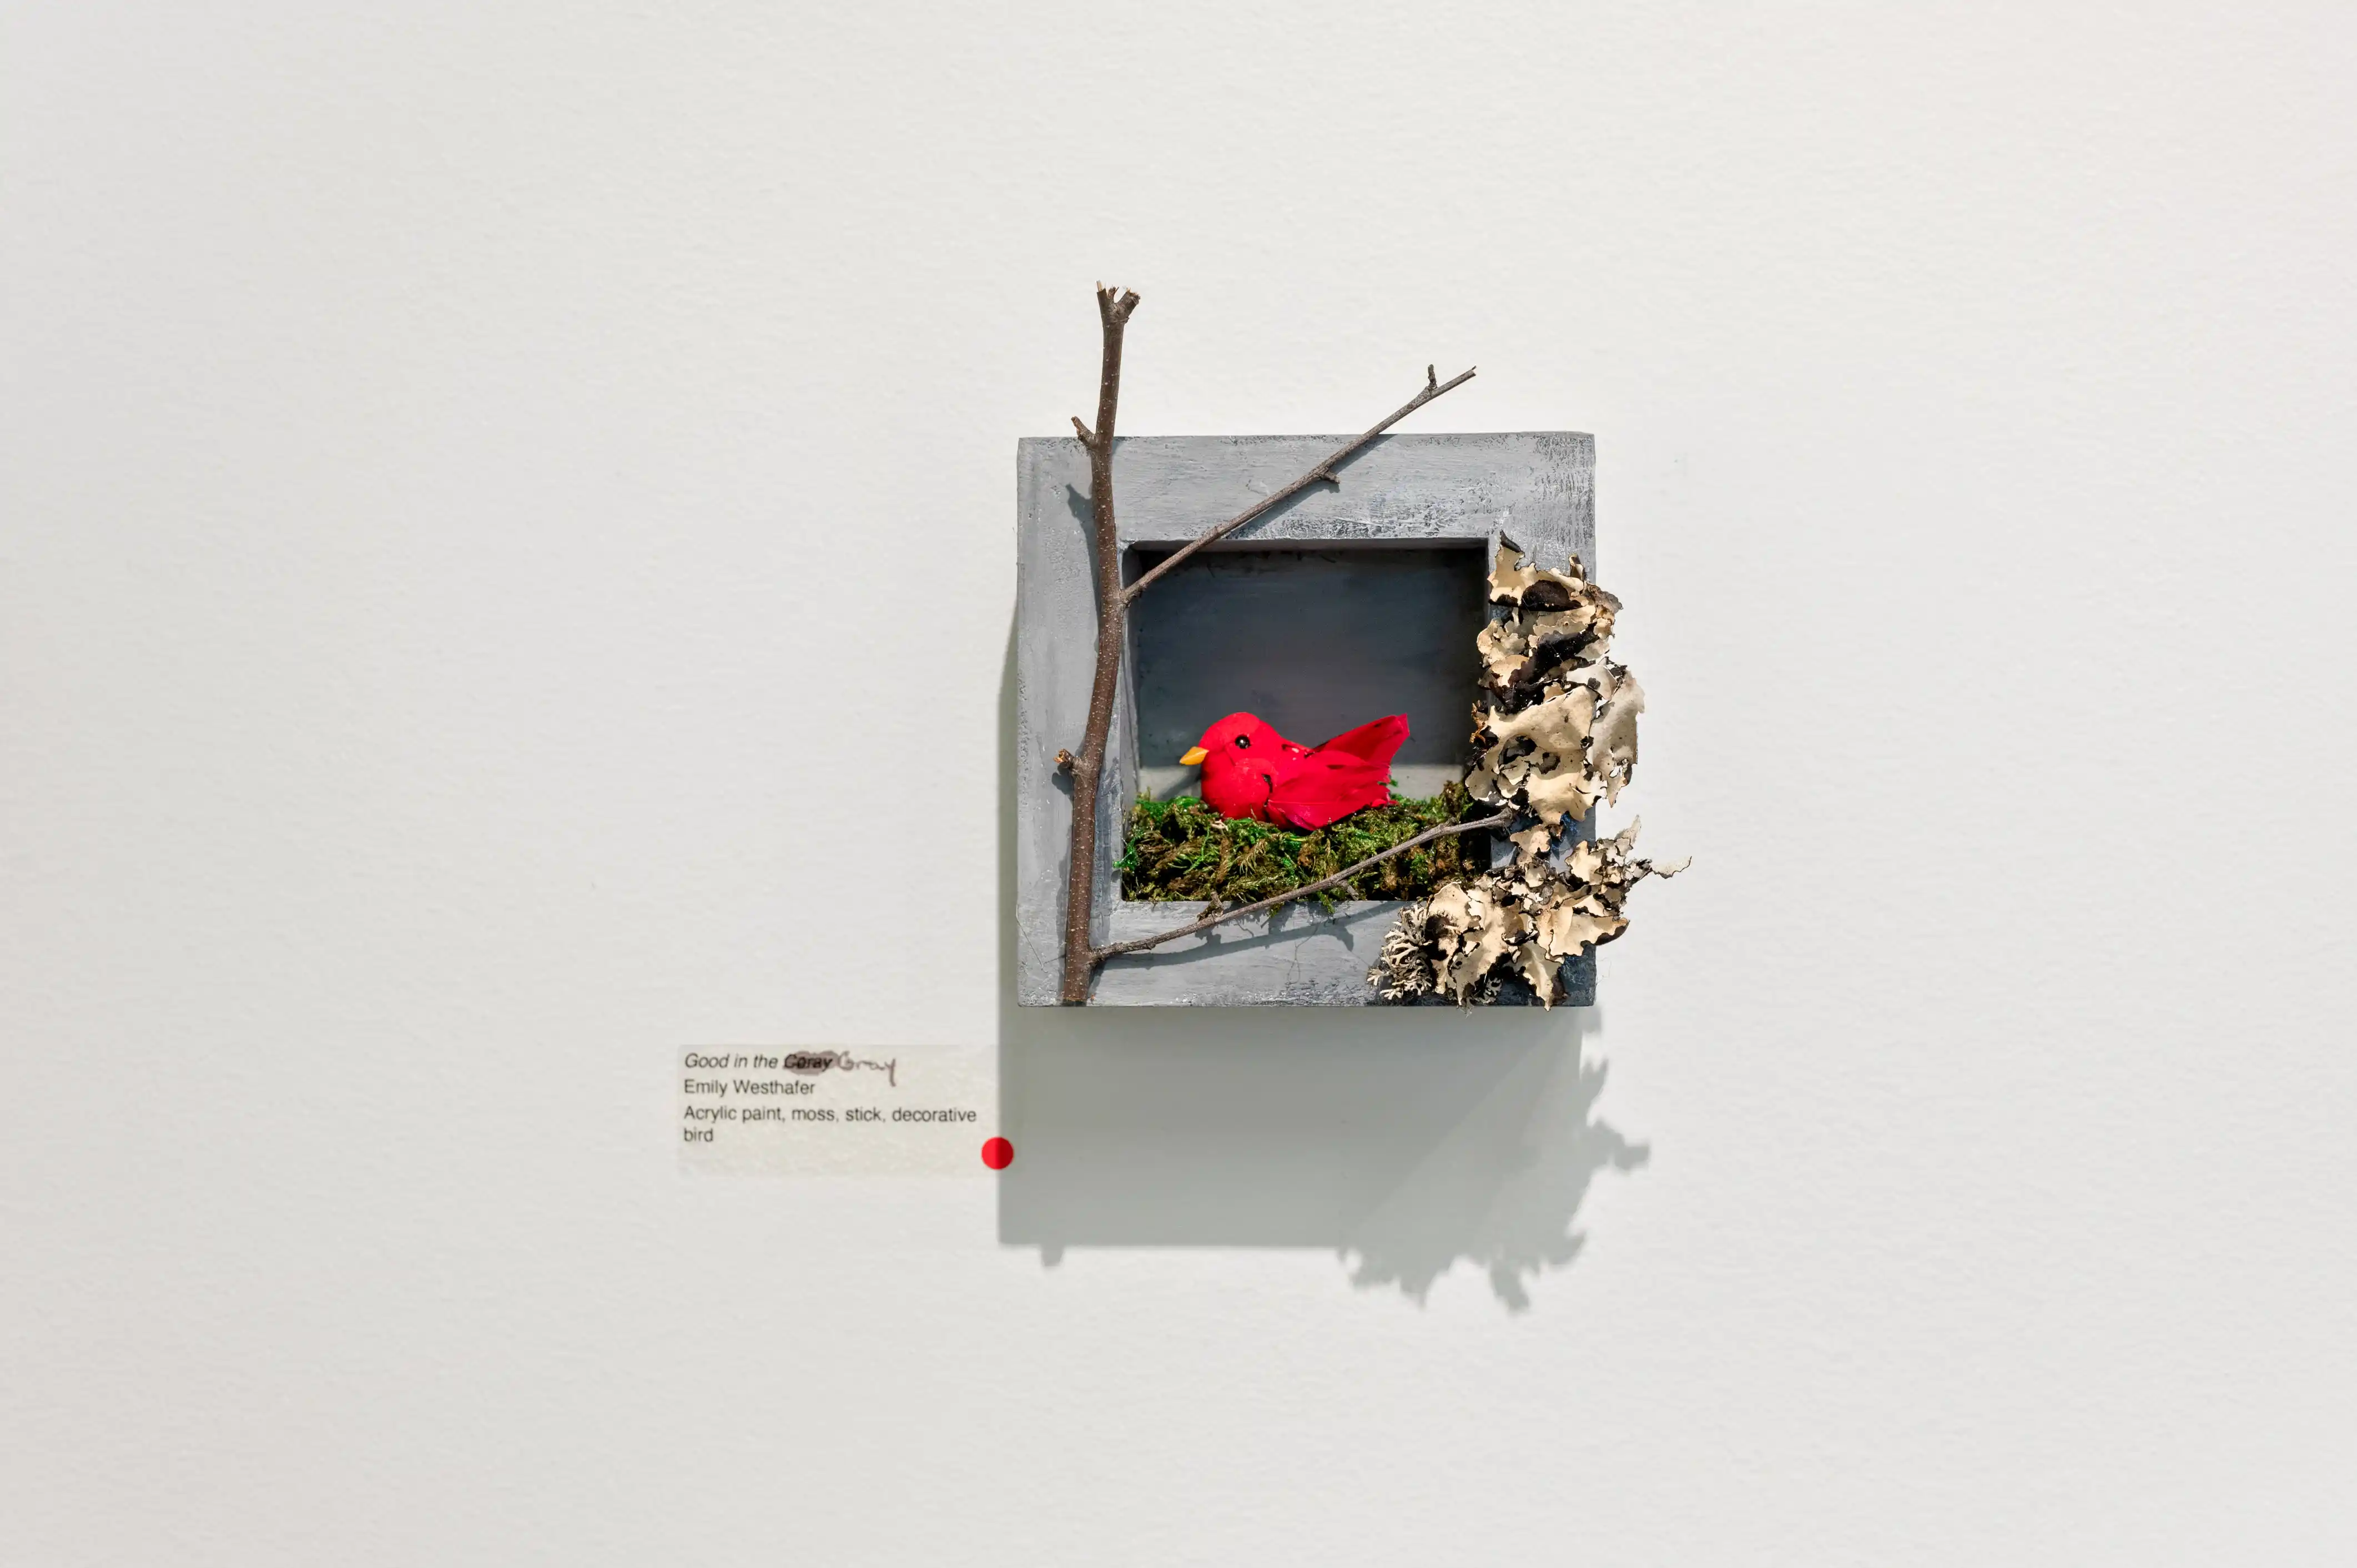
1557,730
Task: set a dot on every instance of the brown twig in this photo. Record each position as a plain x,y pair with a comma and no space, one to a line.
1219,917
1432,387
1113,308
1087,771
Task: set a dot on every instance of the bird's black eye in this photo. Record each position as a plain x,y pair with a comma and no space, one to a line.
1243,743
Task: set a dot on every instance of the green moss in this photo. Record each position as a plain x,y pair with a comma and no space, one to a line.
1185,849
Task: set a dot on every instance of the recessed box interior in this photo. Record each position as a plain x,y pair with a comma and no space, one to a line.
1316,642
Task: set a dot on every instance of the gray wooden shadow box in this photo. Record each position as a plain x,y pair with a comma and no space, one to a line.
1341,607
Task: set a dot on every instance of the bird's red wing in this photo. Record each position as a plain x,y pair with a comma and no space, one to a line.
1377,742
1346,774
1327,786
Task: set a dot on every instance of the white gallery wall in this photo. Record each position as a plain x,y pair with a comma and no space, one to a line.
506,569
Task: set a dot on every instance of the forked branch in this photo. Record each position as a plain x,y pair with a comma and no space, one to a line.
1086,771
1322,473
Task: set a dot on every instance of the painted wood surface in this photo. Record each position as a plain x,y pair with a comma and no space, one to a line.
1535,487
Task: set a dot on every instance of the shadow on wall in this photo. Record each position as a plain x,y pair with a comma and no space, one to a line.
1406,1140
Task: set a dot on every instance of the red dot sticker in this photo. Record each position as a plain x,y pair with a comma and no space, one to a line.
997,1154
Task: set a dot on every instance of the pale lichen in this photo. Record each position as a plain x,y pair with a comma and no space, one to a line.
1555,731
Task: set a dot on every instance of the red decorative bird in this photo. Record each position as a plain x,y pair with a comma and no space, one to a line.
1250,770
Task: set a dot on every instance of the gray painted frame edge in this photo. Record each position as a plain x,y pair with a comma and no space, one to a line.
1535,486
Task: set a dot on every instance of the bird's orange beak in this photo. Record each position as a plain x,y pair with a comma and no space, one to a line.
1195,754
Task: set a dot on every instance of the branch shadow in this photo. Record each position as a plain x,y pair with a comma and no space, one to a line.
1406,1140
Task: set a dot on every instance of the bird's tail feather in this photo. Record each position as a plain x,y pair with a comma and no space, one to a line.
1377,741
